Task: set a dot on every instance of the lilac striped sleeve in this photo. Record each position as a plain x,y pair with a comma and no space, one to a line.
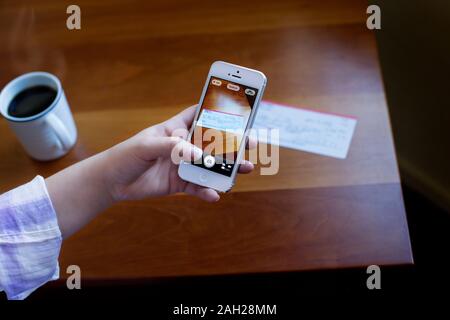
30,239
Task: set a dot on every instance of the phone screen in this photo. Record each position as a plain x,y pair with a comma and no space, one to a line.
221,124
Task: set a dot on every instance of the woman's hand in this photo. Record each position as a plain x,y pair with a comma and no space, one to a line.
139,167
142,166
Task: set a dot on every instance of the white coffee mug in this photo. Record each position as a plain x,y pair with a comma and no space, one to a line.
49,134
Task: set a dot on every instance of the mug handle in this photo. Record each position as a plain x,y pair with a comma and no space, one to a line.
60,130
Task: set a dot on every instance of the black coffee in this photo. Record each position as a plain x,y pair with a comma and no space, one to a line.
31,101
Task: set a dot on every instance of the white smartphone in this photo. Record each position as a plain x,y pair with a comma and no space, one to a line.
225,113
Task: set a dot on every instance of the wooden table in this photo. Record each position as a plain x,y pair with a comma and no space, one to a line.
136,63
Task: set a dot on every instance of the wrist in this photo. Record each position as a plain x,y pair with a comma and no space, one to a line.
78,193
102,175
113,177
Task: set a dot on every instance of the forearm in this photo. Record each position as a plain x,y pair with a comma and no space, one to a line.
79,192
137,168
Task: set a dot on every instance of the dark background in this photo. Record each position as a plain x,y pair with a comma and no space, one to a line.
414,51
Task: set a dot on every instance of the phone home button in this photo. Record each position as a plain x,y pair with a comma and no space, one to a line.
203,177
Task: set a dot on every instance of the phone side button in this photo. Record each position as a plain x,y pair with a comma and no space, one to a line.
203,177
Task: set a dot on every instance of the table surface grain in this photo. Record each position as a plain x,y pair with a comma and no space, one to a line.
136,63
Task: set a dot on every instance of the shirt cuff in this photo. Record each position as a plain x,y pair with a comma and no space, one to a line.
30,239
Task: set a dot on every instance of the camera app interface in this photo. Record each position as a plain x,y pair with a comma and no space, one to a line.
221,124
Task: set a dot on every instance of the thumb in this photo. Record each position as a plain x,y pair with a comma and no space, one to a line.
174,147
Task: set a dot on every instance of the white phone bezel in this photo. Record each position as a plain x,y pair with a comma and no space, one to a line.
249,77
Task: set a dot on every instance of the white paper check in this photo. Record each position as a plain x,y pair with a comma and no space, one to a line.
221,121
306,130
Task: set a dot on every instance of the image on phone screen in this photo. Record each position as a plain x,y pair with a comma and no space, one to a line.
221,124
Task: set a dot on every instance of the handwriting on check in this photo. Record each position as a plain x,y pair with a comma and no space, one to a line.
306,130
221,121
